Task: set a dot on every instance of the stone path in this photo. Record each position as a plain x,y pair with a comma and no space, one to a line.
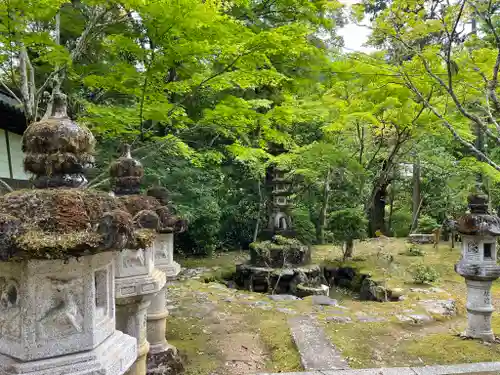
316,351
483,368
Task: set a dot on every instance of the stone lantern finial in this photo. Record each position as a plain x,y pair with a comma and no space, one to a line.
126,173
57,149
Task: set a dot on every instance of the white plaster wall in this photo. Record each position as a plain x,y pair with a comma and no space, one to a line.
4,161
16,153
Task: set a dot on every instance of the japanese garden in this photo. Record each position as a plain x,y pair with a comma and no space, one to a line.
233,187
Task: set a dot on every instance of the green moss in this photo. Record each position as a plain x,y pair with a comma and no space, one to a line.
430,349
275,334
220,275
38,244
228,259
194,344
357,342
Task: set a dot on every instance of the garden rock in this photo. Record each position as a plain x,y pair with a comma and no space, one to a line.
420,318
421,238
371,291
440,307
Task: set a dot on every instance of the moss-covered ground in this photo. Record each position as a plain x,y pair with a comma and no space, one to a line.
227,331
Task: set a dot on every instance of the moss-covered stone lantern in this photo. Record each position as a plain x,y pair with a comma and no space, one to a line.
137,280
57,313
161,352
478,265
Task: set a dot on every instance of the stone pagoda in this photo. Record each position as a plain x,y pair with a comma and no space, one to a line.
137,280
57,243
478,265
279,190
280,263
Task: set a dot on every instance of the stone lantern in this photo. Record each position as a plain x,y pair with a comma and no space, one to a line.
137,280
478,265
161,353
57,314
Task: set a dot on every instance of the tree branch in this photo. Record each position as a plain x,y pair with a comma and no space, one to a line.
6,186
479,154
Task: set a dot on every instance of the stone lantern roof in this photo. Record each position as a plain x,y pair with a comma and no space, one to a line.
126,174
479,222
57,220
153,209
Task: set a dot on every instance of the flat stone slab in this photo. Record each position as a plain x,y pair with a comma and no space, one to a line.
324,301
483,368
316,351
283,297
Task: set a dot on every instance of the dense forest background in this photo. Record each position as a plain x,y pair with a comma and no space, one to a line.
202,90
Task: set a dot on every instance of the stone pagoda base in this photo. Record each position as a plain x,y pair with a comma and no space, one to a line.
113,357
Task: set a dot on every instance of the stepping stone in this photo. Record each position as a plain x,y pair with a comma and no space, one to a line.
284,310
404,318
316,351
283,297
324,300
369,319
338,319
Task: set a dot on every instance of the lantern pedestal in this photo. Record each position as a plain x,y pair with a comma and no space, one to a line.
58,318
479,310
157,311
478,265
137,281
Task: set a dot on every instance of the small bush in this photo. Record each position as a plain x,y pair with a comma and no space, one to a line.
401,223
303,226
414,251
427,224
423,274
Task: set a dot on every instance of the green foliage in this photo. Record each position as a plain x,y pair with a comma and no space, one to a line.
414,251
427,224
348,224
401,223
303,226
423,274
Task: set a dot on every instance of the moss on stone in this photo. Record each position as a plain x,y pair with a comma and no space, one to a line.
279,252
62,223
43,245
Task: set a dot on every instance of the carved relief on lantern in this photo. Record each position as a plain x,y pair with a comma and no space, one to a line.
134,262
72,308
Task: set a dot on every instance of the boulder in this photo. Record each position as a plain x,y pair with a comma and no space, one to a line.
371,291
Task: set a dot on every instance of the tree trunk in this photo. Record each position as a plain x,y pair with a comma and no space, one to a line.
348,249
257,223
324,209
391,207
377,211
416,194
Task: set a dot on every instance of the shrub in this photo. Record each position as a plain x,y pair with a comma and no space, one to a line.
414,251
423,274
346,226
401,223
426,224
303,226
